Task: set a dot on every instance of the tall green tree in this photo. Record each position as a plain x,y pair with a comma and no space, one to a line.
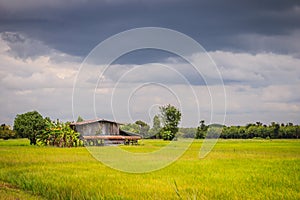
156,128
144,128
201,130
29,125
171,117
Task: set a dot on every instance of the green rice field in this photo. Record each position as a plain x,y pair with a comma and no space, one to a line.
234,169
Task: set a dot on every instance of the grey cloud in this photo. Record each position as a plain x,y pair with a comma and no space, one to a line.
75,28
257,70
282,44
22,47
165,73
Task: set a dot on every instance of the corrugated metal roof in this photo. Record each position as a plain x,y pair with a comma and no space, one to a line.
93,121
127,133
113,137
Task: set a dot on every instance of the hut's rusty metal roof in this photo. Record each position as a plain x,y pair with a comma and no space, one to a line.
113,137
93,121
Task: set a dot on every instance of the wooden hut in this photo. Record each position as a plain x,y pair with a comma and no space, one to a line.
101,132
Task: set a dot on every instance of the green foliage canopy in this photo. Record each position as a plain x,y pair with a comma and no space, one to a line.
143,128
155,130
171,117
29,125
59,134
134,128
201,130
6,132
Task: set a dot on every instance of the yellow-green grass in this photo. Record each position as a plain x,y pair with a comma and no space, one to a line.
234,169
10,192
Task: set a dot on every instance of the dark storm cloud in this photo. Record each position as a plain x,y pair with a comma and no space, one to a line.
75,27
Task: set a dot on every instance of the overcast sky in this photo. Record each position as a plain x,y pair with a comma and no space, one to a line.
254,44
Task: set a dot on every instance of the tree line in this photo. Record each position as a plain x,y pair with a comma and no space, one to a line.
259,130
45,131
248,131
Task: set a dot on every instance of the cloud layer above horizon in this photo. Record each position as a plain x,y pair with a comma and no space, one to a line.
253,43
